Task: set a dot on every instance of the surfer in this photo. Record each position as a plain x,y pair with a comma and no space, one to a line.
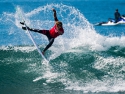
117,16
51,34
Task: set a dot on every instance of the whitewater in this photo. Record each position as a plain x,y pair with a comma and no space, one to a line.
82,61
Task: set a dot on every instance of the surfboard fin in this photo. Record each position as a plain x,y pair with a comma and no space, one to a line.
22,23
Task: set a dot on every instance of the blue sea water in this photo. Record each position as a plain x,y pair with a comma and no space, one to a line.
86,59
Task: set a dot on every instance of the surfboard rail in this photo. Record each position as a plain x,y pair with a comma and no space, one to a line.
30,35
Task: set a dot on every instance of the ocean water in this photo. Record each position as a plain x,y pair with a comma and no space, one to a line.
86,59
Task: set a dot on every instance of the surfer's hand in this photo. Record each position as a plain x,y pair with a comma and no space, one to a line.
53,10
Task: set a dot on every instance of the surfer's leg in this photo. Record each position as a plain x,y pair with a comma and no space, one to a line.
49,45
44,32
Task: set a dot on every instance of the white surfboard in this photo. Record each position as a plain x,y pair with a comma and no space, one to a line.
21,18
29,34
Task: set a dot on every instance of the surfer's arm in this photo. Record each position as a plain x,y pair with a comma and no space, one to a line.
54,14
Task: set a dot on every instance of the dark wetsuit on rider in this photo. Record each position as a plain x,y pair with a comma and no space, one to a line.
117,16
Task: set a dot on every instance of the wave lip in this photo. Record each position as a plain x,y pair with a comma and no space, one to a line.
80,60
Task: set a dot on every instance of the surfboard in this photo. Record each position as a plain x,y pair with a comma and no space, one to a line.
29,34
21,18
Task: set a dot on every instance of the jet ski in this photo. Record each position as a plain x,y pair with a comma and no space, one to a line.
122,20
111,22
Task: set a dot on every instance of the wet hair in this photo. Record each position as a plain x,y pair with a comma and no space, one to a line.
58,23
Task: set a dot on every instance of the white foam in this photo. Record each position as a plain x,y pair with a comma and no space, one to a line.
78,33
17,48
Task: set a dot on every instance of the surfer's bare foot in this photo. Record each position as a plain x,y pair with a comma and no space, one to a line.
24,28
43,52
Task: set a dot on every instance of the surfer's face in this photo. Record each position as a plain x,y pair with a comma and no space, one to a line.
58,26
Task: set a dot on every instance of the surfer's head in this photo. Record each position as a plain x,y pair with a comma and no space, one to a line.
59,24
116,9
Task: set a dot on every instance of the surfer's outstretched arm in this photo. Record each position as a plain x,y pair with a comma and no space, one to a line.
54,14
